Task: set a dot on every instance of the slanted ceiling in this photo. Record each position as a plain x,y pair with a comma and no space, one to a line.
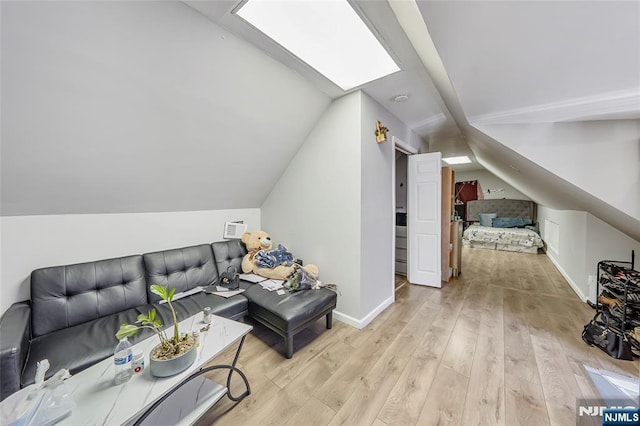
157,106
141,106
547,95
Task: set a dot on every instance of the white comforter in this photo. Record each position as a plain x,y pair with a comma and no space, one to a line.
505,236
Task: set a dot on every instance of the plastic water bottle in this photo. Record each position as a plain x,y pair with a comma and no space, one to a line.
123,359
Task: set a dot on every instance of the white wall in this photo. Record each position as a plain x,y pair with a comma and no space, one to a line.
141,106
570,254
32,242
490,181
607,243
599,157
584,240
334,205
315,209
378,207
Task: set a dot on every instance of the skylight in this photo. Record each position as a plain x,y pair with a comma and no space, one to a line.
328,35
457,160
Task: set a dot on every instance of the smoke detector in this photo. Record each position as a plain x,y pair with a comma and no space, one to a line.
401,98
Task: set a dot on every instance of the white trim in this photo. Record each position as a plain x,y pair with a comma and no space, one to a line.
573,285
624,104
430,123
392,281
403,147
360,324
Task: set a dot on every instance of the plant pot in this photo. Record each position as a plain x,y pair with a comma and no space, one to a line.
173,366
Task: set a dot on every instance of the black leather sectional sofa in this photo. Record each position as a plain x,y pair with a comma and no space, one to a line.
75,310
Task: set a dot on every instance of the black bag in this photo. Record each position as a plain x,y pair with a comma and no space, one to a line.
611,340
230,279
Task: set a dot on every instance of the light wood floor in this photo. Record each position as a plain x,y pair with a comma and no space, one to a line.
500,345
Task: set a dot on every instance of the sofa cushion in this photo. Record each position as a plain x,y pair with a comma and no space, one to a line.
289,311
80,346
183,268
235,307
65,296
229,253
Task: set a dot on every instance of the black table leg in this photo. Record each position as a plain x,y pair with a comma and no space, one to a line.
200,372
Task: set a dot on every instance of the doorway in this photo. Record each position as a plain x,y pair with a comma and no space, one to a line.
400,263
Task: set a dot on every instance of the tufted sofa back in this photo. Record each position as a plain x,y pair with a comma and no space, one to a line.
183,268
229,253
64,296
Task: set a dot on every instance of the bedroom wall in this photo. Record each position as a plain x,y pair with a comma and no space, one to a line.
489,181
378,207
31,242
583,241
314,208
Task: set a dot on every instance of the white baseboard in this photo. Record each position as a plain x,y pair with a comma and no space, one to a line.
362,323
573,285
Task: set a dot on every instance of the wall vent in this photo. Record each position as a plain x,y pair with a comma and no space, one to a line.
234,230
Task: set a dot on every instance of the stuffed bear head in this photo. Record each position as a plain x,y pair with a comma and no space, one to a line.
256,241
259,240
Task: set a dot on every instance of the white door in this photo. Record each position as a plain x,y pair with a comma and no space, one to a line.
424,185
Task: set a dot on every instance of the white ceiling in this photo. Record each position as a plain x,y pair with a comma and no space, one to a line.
153,71
424,112
520,57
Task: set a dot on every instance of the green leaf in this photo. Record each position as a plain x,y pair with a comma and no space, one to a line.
159,290
126,330
152,315
171,293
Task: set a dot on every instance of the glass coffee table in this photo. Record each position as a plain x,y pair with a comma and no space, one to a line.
180,399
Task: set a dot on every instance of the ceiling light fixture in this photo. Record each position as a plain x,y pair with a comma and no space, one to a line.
328,35
463,159
401,98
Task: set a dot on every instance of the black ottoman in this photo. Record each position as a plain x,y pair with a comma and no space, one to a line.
289,313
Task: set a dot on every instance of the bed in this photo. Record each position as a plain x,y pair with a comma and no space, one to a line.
521,240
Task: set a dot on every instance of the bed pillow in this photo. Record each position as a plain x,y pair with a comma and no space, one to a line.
486,218
510,222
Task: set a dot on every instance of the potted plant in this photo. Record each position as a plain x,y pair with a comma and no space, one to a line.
173,354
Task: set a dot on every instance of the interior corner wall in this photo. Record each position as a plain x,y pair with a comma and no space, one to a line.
378,207
32,242
489,181
599,157
584,240
314,208
607,243
570,254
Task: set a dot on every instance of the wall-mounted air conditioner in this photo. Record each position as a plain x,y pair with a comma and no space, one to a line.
234,230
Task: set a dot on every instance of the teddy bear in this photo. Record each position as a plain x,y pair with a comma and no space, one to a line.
262,259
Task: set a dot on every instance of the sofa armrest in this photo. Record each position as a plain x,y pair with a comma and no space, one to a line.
15,332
